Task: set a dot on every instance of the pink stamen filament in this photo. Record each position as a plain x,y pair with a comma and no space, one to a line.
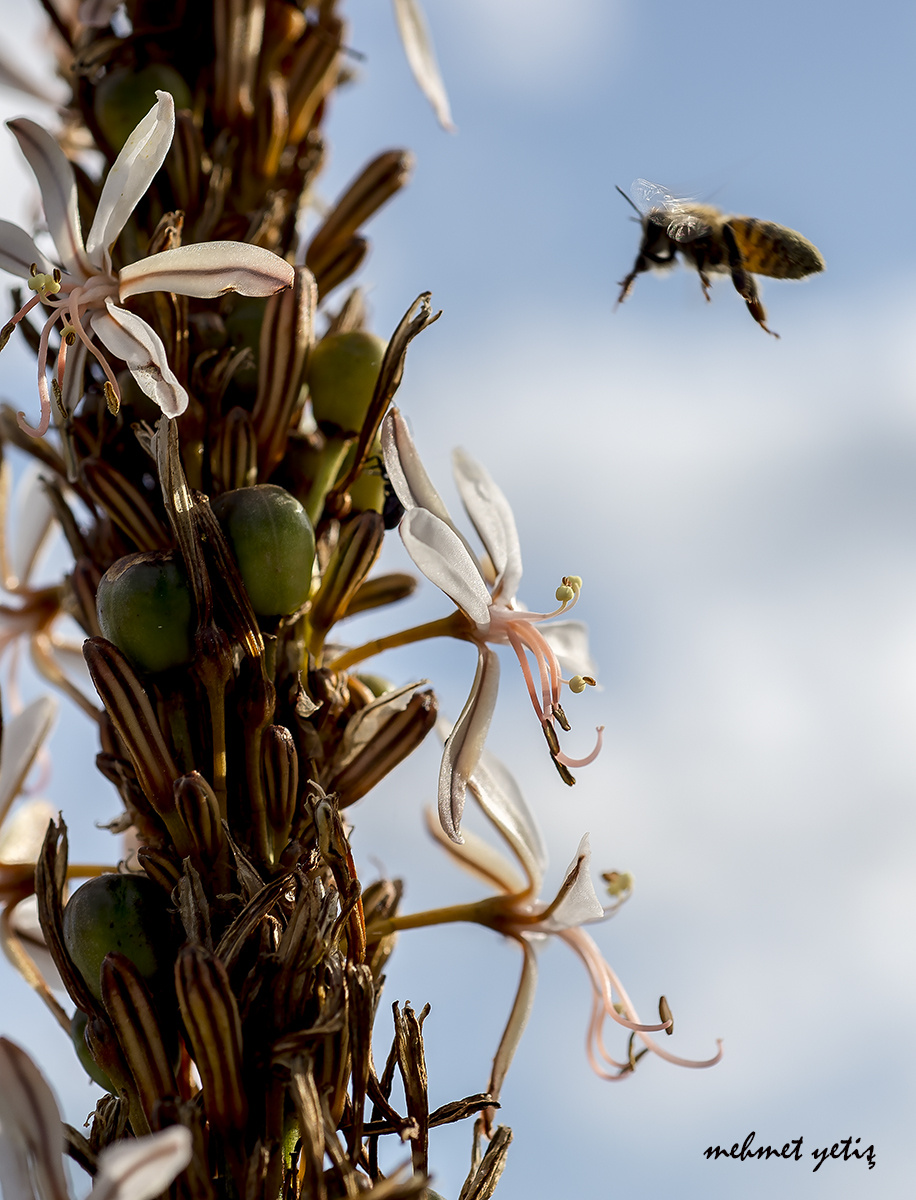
70,302
583,762
604,984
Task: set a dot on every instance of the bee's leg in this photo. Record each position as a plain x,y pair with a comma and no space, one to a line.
744,282
645,260
626,284
698,254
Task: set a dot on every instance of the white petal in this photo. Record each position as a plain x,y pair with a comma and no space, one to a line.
569,642
581,903
141,1168
445,560
34,518
15,1175
129,337
24,832
131,174
499,796
466,741
208,269
412,486
57,184
30,1117
421,58
492,517
27,927
479,858
22,739
518,1018
18,252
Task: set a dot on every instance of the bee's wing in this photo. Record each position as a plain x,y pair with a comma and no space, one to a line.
663,208
651,199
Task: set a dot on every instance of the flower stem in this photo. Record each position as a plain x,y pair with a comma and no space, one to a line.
455,625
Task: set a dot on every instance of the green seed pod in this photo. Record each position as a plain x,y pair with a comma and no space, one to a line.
145,607
273,543
88,1063
378,685
124,97
125,913
342,372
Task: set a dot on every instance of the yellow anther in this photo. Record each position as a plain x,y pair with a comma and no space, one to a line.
565,594
44,285
579,683
573,581
619,883
68,334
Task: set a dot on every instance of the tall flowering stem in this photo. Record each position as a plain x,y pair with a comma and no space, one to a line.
215,443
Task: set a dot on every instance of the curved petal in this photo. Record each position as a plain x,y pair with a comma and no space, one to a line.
421,58
18,252
579,901
141,1168
131,174
569,642
477,857
24,832
33,524
501,799
412,486
492,517
207,269
445,561
465,743
518,1019
58,193
130,338
30,1122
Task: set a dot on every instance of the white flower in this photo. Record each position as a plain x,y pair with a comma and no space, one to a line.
32,1142
516,912
87,294
485,592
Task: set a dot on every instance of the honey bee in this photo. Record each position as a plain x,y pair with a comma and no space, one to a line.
714,243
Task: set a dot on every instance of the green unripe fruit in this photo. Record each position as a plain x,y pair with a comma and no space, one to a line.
145,607
273,543
88,1063
124,97
123,913
378,685
342,373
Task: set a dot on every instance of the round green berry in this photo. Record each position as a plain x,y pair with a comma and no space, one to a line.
145,607
273,543
124,97
123,913
342,373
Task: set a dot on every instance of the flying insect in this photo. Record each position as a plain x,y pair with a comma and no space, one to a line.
714,243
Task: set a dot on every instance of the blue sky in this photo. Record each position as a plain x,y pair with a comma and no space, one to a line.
743,512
